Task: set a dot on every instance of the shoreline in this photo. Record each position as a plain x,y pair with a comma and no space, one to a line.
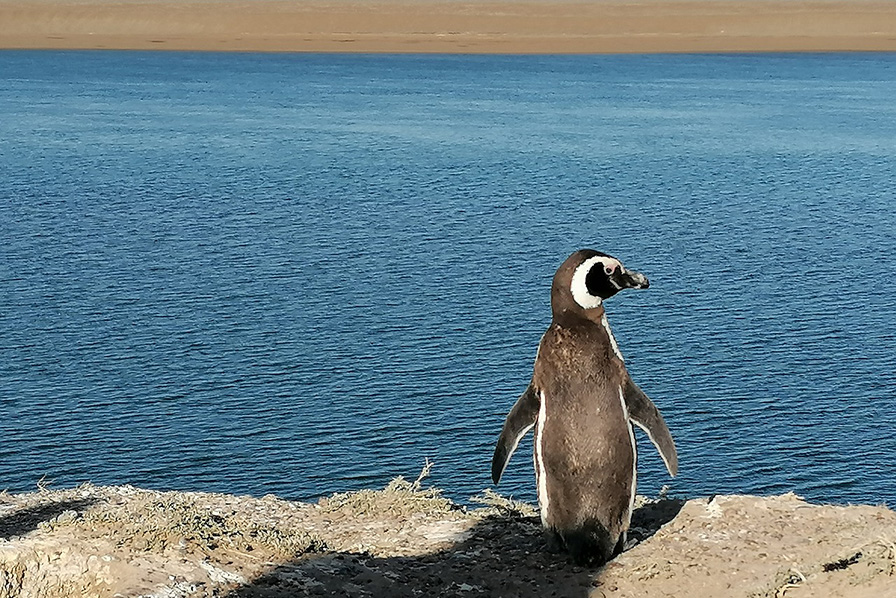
406,540
437,26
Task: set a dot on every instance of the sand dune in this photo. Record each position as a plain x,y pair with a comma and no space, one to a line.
605,26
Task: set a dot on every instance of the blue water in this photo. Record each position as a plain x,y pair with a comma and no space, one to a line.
301,274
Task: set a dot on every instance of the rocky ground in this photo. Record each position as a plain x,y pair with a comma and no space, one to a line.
408,541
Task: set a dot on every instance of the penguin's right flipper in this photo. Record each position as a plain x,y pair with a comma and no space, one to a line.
644,413
519,421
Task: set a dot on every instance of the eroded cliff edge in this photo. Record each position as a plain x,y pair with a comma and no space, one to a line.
406,540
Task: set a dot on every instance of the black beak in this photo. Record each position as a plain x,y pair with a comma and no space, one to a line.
630,280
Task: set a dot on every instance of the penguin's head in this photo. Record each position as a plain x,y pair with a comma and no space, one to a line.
586,278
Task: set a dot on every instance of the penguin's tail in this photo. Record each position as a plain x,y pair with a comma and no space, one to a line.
592,544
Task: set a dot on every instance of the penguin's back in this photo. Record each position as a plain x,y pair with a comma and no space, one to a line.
586,442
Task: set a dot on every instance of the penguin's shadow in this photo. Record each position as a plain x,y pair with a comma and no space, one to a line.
503,555
23,521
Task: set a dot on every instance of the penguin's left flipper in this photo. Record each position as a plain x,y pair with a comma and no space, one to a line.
519,421
643,413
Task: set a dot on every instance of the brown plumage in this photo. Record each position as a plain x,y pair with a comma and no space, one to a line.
581,402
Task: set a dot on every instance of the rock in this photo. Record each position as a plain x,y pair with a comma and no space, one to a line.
405,541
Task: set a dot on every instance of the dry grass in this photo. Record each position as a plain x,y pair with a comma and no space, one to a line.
145,520
400,499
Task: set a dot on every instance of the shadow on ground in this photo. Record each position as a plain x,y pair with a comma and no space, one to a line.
22,521
502,555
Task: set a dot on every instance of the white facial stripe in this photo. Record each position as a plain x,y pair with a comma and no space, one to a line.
613,344
631,435
580,289
539,461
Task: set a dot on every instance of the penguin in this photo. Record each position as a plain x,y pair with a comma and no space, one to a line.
582,403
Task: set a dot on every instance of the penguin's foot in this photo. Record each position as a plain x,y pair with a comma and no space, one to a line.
554,543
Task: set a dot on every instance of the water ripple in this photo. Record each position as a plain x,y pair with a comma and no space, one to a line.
307,274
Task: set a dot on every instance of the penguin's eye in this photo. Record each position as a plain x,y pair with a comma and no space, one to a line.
609,269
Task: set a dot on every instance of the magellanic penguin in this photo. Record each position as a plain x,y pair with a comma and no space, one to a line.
582,403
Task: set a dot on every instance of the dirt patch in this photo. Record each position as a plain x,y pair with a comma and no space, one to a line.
406,540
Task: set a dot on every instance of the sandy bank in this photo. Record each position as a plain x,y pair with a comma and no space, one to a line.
408,541
485,26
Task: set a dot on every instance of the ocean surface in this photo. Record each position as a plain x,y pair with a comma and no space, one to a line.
302,274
